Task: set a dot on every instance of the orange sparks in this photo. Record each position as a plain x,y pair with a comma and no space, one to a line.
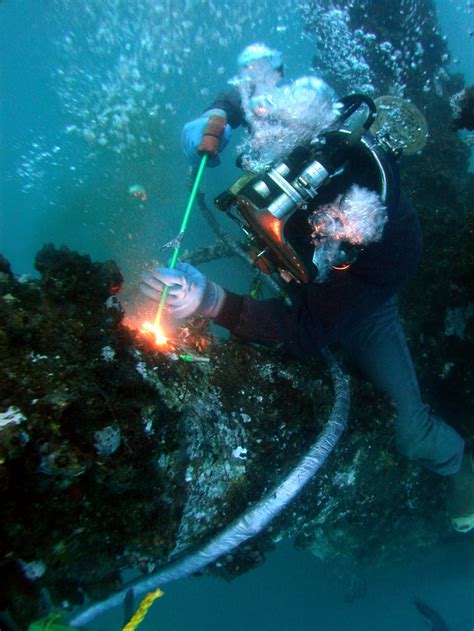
155,330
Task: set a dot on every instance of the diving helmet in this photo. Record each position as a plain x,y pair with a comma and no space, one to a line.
258,52
280,210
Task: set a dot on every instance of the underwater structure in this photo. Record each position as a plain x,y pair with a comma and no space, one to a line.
116,457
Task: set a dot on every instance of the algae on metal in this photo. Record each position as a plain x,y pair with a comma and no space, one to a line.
123,457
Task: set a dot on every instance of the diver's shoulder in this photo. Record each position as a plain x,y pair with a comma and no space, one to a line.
405,202
403,208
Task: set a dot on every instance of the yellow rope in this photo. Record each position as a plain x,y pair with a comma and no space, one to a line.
142,610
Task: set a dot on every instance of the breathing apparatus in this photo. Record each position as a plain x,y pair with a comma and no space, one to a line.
278,209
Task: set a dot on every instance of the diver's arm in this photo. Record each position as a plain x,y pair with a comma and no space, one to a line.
322,314
229,102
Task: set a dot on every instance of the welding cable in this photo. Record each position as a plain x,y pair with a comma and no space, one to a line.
233,246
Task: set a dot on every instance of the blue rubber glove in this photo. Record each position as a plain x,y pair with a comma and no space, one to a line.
190,292
192,136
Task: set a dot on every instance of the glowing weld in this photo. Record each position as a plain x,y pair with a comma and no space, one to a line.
160,337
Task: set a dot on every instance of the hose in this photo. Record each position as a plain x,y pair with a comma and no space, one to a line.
231,243
256,518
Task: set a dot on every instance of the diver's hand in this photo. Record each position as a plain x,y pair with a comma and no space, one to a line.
200,137
190,292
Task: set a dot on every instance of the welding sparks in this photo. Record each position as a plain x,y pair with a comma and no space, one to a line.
155,330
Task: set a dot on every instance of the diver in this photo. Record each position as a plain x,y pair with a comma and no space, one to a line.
349,253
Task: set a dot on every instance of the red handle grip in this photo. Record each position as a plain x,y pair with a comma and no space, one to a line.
212,136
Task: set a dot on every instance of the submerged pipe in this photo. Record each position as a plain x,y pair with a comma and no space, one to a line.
255,519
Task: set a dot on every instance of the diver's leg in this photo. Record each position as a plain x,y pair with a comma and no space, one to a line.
379,347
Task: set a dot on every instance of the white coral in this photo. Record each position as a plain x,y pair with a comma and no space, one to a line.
107,440
12,415
107,354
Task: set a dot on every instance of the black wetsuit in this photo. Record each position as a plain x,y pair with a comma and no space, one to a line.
230,102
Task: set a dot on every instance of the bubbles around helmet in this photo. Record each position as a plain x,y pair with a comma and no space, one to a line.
258,52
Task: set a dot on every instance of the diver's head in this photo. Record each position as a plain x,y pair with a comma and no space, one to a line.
257,62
